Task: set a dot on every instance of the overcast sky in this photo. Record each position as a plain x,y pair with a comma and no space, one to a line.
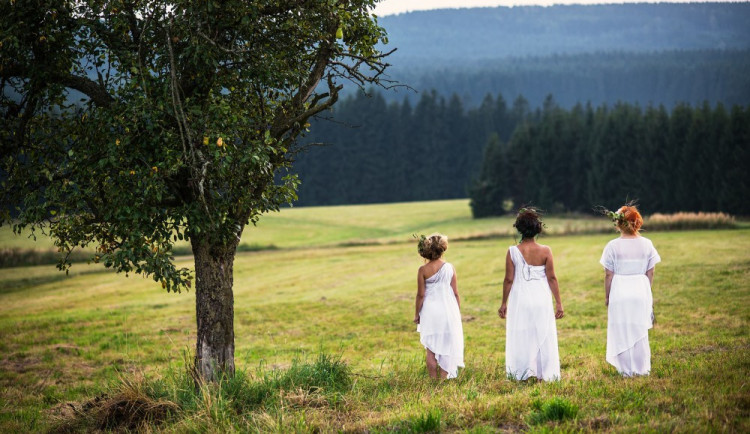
388,7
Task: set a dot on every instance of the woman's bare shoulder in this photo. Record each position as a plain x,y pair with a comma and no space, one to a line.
546,251
545,248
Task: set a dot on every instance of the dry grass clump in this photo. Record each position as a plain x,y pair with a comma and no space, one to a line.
129,408
689,220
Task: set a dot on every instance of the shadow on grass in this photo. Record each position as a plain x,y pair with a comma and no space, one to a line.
21,282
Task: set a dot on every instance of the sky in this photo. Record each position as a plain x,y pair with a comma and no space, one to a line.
389,7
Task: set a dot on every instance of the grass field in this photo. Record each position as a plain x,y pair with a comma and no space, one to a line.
341,283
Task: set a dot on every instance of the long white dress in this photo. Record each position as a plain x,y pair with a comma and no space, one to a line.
440,325
630,311
530,330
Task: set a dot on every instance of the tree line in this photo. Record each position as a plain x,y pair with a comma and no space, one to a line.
689,159
373,151
506,152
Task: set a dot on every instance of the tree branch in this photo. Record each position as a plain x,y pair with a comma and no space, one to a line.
88,87
317,71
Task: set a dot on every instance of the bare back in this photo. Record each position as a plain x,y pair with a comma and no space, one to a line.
535,254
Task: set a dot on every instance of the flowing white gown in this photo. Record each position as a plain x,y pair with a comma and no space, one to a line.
530,330
440,325
630,311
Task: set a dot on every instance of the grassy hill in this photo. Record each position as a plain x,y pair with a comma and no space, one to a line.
341,283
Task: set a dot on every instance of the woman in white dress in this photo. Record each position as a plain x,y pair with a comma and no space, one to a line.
530,329
437,315
628,274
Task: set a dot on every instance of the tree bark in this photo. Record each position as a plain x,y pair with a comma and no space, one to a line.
214,309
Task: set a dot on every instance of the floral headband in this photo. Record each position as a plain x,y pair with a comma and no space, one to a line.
420,242
616,216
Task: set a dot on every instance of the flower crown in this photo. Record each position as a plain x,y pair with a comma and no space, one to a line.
420,242
616,217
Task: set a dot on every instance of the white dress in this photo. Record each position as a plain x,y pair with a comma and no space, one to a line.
440,326
630,311
530,330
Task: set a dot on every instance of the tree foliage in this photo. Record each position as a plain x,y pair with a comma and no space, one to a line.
132,124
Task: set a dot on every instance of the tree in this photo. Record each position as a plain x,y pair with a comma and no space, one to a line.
132,124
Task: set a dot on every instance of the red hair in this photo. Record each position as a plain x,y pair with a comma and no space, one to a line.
631,222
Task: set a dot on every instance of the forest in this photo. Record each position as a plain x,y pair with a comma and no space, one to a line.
647,53
689,158
479,88
664,77
472,35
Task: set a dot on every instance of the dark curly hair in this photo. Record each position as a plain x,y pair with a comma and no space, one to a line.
529,222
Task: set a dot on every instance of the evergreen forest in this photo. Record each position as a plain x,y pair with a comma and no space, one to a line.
505,153
689,159
565,107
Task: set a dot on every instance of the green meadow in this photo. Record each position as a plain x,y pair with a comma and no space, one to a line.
332,289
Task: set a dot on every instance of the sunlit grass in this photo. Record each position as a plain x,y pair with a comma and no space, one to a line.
71,339
360,224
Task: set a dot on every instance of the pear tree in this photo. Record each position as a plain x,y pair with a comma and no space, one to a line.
130,125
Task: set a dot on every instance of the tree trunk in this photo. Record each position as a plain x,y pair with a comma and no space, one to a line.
214,309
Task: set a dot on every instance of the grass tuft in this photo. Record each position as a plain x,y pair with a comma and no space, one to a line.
429,422
326,373
556,409
135,402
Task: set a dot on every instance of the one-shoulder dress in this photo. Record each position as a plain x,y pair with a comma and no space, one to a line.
440,326
530,328
630,311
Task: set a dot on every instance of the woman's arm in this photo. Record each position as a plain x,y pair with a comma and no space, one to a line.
454,285
510,271
650,275
553,285
608,275
420,295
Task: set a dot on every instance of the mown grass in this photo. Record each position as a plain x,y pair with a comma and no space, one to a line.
325,227
361,225
68,341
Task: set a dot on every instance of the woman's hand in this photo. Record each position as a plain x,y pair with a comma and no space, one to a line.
416,319
606,301
503,311
559,312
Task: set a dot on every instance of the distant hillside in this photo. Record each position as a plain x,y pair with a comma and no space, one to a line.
444,37
641,53
666,77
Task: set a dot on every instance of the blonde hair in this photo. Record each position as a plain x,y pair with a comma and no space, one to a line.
433,246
